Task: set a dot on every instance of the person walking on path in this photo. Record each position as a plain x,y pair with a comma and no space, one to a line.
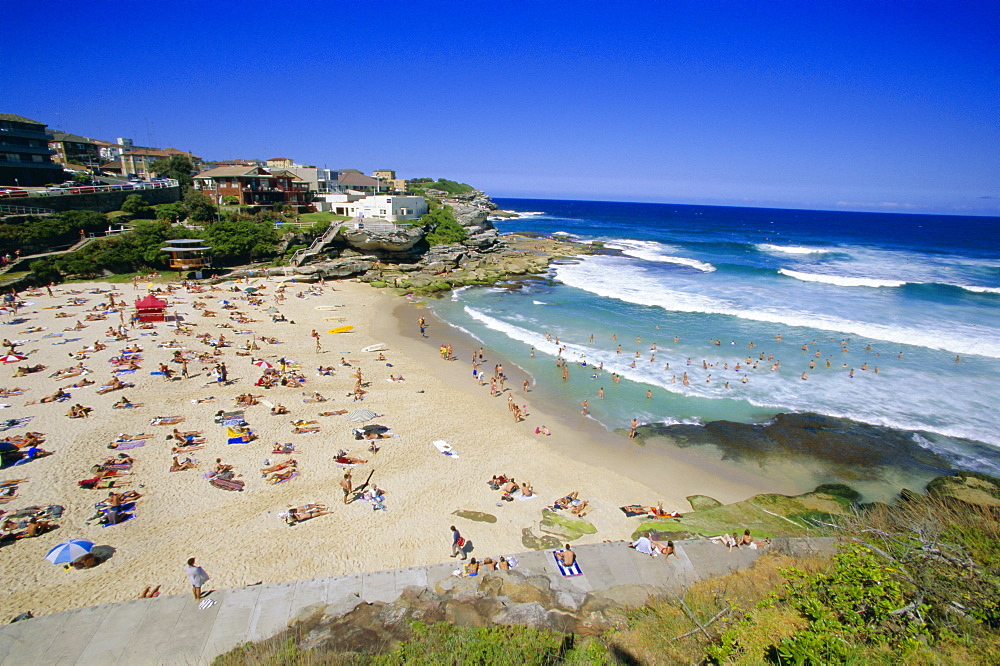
457,543
197,577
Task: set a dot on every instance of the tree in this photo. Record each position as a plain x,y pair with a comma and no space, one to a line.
137,207
230,200
199,206
241,237
178,167
171,212
442,227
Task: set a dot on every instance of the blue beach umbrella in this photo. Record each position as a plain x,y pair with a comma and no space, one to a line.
68,552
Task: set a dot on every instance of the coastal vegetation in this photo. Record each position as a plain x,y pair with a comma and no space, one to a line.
917,581
421,185
442,228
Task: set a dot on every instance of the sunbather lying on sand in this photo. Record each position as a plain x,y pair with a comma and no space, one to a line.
55,397
567,501
79,384
282,476
283,448
165,420
337,412
125,403
279,409
297,514
150,592
279,466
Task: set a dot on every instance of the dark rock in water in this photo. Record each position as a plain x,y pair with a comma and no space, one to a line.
478,516
856,450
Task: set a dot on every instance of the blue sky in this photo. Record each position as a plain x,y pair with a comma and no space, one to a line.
884,106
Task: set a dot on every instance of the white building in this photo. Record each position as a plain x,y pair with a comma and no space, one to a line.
382,207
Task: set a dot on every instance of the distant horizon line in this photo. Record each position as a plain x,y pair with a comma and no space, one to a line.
755,206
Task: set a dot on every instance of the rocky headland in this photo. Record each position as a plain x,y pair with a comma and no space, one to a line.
399,256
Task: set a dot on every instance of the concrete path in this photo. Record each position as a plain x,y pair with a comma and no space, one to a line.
172,630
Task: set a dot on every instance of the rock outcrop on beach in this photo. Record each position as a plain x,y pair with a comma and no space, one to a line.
400,257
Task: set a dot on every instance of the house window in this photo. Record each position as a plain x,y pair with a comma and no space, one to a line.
36,158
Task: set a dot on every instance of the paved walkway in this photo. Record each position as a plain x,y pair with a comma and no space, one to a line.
171,630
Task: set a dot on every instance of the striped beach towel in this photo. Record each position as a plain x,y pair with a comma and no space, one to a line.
564,570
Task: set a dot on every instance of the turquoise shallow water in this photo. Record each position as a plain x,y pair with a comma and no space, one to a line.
918,297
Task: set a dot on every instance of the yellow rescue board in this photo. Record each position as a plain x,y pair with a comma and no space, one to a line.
342,329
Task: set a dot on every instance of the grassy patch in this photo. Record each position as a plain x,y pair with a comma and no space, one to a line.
325,216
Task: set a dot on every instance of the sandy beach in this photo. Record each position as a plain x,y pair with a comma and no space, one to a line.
239,537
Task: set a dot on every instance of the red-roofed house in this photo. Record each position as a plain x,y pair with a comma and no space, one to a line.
254,186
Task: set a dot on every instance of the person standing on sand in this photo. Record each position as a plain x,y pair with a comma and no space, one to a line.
457,543
196,576
632,428
315,337
345,483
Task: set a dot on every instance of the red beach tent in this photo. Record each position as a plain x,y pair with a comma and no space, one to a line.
150,308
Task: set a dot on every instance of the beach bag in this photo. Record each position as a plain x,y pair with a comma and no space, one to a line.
461,542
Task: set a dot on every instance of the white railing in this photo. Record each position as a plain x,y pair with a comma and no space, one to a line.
299,256
24,210
368,224
93,189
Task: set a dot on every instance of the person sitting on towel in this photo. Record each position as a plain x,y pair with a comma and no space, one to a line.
567,557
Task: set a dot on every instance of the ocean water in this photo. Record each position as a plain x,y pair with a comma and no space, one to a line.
724,293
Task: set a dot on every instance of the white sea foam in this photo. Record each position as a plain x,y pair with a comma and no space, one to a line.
565,234
653,251
791,249
456,292
615,280
840,280
525,213
863,398
979,290
539,303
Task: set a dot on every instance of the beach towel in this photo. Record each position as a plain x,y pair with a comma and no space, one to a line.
226,484
127,371
124,446
445,448
564,570
206,604
14,423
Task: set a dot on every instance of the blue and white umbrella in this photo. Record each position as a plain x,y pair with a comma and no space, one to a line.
68,552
